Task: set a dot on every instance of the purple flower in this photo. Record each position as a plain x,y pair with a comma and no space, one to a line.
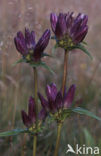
68,30
27,46
30,118
55,101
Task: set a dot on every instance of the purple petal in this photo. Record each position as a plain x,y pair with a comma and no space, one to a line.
52,106
53,20
76,26
41,45
31,109
42,114
21,46
51,92
44,103
61,27
33,37
69,19
26,119
20,36
59,100
70,96
81,35
30,39
85,20
79,23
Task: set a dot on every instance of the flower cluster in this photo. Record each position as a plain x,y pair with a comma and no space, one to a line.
27,46
30,119
56,103
69,31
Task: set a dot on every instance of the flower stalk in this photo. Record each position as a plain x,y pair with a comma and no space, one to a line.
36,110
59,127
65,72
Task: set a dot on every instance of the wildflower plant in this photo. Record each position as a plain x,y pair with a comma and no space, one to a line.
56,103
69,33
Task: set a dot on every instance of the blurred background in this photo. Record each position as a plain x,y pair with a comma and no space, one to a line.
16,82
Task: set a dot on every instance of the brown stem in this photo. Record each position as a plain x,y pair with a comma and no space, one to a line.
65,71
36,107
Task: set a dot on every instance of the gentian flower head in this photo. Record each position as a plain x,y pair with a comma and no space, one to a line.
28,47
69,30
56,103
29,119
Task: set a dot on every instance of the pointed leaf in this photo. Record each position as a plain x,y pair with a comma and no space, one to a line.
85,43
43,64
19,61
13,132
85,112
47,67
89,139
45,54
81,47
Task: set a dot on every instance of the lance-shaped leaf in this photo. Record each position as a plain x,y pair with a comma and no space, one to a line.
45,54
13,132
81,47
85,112
42,64
19,61
47,67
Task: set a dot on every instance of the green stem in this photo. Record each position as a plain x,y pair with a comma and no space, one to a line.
65,72
58,139
36,107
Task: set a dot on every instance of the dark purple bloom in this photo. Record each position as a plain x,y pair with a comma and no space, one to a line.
68,30
27,46
55,101
30,118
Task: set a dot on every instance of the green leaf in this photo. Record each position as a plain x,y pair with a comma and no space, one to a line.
35,64
81,47
18,61
44,54
85,43
13,132
85,112
47,67
42,64
88,138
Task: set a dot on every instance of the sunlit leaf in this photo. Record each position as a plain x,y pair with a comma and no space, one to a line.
85,43
85,112
13,132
